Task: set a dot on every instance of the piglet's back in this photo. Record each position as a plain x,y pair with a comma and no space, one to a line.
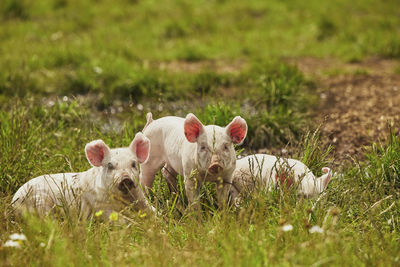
164,127
43,192
167,137
265,167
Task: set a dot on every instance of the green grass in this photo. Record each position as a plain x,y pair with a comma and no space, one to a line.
75,47
74,71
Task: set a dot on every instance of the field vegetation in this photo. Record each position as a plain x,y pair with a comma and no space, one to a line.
74,71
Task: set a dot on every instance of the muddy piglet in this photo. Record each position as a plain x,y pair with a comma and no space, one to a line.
199,153
267,171
111,184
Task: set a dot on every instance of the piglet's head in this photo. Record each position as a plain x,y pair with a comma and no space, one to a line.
215,152
120,166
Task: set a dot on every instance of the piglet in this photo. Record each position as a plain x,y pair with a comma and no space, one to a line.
267,171
199,153
110,185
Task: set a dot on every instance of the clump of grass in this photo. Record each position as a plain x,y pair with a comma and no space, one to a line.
218,114
279,85
78,83
175,30
360,72
365,190
207,82
313,153
63,57
383,167
392,48
145,84
281,98
191,54
15,9
19,83
155,84
326,29
19,144
57,4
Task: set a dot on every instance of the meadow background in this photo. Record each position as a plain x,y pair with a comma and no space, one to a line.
73,71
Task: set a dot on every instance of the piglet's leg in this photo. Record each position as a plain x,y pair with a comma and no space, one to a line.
149,170
86,208
170,175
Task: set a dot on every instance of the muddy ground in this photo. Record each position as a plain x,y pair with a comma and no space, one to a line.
358,102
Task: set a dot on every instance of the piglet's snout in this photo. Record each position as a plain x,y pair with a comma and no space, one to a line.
126,184
215,166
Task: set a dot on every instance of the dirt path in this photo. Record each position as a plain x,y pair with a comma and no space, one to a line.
358,100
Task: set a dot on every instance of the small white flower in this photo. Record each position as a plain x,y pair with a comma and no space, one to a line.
98,70
42,245
287,227
50,103
57,35
17,236
65,98
12,244
140,107
316,229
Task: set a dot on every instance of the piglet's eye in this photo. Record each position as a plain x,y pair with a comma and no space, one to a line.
110,166
134,164
226,147
203,147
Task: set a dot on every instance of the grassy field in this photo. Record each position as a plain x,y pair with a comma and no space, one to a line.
74,71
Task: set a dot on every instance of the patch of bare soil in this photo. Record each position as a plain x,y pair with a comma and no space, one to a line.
357,102
219,66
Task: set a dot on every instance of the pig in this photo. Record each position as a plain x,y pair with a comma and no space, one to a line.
109,185
267,171
199,153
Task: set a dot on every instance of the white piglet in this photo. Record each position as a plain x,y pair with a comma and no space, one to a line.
111,184
267,171
200,153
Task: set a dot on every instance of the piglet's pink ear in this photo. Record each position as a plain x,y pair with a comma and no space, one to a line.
193,128
140,146
96,151
237,130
